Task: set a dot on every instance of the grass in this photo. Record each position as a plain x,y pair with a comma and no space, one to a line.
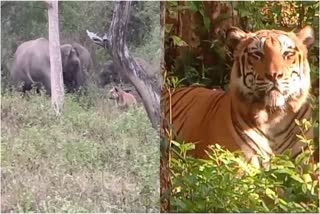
93,158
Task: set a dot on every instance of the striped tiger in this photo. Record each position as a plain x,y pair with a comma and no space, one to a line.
123,99
269,88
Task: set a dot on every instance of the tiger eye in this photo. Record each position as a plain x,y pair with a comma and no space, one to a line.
259,54
289,54
256,55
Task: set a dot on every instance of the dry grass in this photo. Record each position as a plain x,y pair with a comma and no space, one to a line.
94,158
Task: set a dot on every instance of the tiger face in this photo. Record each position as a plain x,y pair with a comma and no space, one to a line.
271,67
122,98
114,93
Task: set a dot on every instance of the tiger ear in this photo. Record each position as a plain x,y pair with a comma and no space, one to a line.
306,35
233,36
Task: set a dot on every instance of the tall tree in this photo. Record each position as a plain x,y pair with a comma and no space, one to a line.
164,144
147,86
57,90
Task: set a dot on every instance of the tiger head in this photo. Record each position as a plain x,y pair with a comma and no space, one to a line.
115,93
270,69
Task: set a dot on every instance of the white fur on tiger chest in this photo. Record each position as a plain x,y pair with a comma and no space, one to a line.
274,99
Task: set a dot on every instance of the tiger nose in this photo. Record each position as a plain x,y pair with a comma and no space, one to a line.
274,75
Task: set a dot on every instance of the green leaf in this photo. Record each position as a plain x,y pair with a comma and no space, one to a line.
244,13
297,178
303,157
194,6
182,205
176,143
168,28
177,41
297,122
270,193
207,22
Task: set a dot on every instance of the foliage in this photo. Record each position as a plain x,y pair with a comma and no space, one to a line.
226,183
23,21
94,158
197,54
144,18
150,51
286,15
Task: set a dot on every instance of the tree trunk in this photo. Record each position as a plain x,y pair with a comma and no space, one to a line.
148,88
164,147
57,90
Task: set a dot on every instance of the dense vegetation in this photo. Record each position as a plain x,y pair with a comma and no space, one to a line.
196,54
22,21
94,157
195,33
91,159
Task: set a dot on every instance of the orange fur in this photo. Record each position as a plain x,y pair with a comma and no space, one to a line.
122,98
261,125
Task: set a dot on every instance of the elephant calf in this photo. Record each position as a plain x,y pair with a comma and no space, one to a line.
31,66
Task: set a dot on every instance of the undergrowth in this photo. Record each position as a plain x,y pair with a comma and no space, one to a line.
93,158
227,183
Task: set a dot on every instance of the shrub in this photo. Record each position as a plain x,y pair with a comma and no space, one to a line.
226,183
94,158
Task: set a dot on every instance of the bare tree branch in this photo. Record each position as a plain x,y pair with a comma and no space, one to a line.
98,40
148,87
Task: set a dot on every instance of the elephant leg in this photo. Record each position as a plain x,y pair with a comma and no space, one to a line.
47,84
78,81
24,83
24,87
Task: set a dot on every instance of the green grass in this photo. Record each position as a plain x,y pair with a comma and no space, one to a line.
93,158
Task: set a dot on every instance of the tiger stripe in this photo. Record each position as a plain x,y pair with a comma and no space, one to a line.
268,91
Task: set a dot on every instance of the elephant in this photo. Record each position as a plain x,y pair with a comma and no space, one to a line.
86,61
109,74
31,66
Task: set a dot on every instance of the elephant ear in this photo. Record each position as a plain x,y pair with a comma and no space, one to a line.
65,53
76,51
65,50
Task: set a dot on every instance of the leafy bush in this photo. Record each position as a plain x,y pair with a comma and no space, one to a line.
226,183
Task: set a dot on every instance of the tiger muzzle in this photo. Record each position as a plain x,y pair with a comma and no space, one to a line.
274,98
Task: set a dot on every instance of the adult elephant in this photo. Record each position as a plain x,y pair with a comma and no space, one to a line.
110,73
86,62
31,66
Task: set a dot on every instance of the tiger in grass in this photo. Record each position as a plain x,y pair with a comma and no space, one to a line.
123,99
268,90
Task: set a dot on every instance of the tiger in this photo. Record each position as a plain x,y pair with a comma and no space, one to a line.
123,99
268,90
